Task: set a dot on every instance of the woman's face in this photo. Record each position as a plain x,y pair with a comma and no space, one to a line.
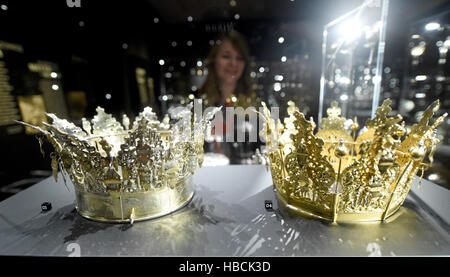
229,64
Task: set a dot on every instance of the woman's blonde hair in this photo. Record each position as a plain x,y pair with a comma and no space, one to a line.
210,88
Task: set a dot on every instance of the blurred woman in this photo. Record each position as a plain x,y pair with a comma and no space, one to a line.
228,84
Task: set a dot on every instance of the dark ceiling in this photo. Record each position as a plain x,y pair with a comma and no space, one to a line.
177,11
96,32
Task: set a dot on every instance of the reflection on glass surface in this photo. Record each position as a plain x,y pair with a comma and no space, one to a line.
426,78
352,60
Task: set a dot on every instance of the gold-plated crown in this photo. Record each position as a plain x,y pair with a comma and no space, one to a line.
335,176
123,174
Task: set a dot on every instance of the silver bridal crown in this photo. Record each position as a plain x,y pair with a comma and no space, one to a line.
123,174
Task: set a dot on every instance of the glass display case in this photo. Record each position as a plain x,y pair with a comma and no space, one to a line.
427,69
426,78
352,60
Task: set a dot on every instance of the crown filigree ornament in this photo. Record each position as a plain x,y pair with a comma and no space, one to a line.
335,176
123,174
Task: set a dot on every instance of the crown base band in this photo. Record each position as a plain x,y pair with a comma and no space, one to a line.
117,207
307,211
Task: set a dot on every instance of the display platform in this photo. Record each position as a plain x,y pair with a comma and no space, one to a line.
227,217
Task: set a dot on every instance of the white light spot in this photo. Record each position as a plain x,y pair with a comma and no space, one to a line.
108,96
261,69
190,18
280,39
376,79
440,78
433,177
344,97
182,63
432,26
283,59
161,62
277,87
189,43
156,20
237,16
351,30
343,80
421,77
199,63
278,77
447,43
54,75
4,7
420,95
55,87
417,50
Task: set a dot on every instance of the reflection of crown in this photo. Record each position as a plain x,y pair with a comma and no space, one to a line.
121,174
333,176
